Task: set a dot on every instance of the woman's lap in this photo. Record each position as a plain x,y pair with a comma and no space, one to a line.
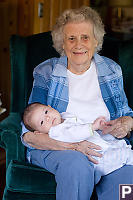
108,187
73,173
66,164
50,159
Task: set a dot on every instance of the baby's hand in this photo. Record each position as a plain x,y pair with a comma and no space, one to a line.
99,123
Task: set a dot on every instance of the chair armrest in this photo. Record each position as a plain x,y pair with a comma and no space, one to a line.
10,131
12,122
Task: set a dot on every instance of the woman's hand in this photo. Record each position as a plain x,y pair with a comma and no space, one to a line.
120,127
89,149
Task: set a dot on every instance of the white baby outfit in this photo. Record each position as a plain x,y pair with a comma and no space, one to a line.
116,152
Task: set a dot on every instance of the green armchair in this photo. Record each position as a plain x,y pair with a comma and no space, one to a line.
23,180
25,54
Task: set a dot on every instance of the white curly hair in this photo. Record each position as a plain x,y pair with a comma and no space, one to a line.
77,15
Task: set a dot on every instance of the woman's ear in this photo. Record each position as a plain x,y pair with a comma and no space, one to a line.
96,43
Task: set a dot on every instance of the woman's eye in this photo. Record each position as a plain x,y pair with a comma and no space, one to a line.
71,38
46,112
85,37
41,123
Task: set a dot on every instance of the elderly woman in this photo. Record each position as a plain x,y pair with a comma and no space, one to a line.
87,85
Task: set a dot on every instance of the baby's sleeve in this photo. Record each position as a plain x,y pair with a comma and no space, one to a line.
67,132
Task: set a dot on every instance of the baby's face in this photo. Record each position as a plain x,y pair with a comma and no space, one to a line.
44,117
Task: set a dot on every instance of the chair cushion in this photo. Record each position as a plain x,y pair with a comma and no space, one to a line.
9,195
27,178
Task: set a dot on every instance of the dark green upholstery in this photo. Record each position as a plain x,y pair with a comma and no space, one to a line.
25,54
126,61
31,180
25,181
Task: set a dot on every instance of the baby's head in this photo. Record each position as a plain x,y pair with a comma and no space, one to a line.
39,117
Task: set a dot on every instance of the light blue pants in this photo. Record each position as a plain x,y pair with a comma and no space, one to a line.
75,175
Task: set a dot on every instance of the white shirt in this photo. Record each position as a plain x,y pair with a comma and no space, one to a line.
85,99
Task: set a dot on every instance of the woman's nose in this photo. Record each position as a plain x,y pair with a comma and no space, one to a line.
78,43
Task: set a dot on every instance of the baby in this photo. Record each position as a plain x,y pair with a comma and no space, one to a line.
67,128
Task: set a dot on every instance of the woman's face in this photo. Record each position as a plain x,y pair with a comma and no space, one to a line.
79,45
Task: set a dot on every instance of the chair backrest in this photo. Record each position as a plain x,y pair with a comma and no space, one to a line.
126,62
25,54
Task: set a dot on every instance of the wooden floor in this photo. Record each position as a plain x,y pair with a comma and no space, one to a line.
2,171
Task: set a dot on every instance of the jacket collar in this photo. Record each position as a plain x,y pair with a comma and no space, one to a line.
60,68
103,67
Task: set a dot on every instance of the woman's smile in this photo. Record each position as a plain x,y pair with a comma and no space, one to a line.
80,53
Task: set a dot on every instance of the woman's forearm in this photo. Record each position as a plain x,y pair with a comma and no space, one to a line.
43,142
